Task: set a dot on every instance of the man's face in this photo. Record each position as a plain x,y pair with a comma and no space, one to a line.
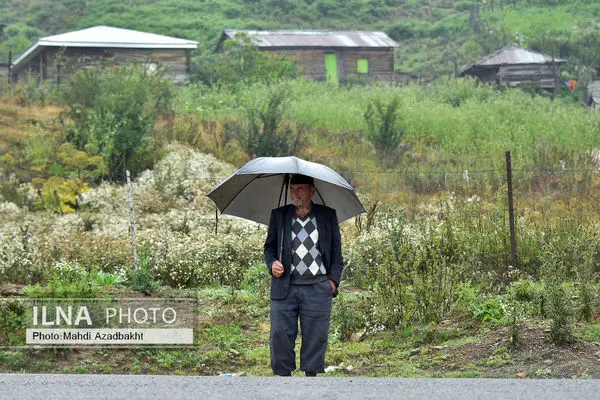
302,194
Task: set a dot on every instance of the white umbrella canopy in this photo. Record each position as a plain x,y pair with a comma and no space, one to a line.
263,183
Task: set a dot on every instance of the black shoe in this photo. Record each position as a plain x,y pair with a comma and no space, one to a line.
308,373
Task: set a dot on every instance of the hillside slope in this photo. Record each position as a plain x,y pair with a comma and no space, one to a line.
436,37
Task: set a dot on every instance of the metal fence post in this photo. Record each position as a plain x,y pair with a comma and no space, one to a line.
511,212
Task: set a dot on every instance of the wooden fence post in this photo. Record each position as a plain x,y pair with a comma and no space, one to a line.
131,221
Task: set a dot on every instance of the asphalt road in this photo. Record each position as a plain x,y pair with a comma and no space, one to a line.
39,386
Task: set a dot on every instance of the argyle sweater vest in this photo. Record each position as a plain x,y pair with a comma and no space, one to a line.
307,265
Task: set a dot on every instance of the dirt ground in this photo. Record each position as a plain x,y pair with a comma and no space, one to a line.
535,356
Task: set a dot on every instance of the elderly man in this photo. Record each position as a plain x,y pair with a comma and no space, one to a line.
303,252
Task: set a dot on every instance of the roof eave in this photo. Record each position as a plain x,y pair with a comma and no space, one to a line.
122,45
32,51
27,54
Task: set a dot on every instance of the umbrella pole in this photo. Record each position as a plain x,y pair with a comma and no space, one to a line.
281,192
286,182
287,187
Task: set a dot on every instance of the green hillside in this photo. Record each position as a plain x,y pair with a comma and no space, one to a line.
436,37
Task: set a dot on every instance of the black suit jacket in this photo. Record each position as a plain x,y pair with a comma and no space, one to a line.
278,247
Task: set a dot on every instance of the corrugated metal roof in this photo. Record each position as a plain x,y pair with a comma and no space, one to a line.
516,55
107,36
304,38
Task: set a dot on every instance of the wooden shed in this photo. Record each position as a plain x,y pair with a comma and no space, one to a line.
332,56
514,66
56,57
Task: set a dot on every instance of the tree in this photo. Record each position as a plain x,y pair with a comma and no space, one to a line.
242,62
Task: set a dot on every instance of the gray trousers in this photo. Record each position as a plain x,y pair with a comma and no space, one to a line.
312,304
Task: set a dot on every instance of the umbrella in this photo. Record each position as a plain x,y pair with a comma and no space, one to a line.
262,185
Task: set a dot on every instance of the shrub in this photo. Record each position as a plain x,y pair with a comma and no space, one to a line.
67,279
413,275
175,258
267,133
489,309
142,279
12,192
87,248
558,308
524,290
20,259
13,316
385,128
113,110
230,258
346,320
258,280
555,298
58,194
27,92
202,259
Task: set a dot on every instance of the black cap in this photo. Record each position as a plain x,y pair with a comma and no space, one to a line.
302,179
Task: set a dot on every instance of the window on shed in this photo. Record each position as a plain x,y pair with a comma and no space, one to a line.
362,66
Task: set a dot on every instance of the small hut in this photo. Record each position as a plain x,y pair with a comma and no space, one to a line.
514,66
332,56
56,57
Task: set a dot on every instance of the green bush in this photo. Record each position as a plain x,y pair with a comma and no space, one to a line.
556,299
559,309
15,360
347,318
412,271
258,280
525,290
385,128
142,280
267,133
230,258
12,323
113,111
67,279
490,309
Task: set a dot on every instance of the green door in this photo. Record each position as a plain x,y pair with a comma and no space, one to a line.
331,68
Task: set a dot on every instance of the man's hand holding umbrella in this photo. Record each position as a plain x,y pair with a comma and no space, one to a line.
277,269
